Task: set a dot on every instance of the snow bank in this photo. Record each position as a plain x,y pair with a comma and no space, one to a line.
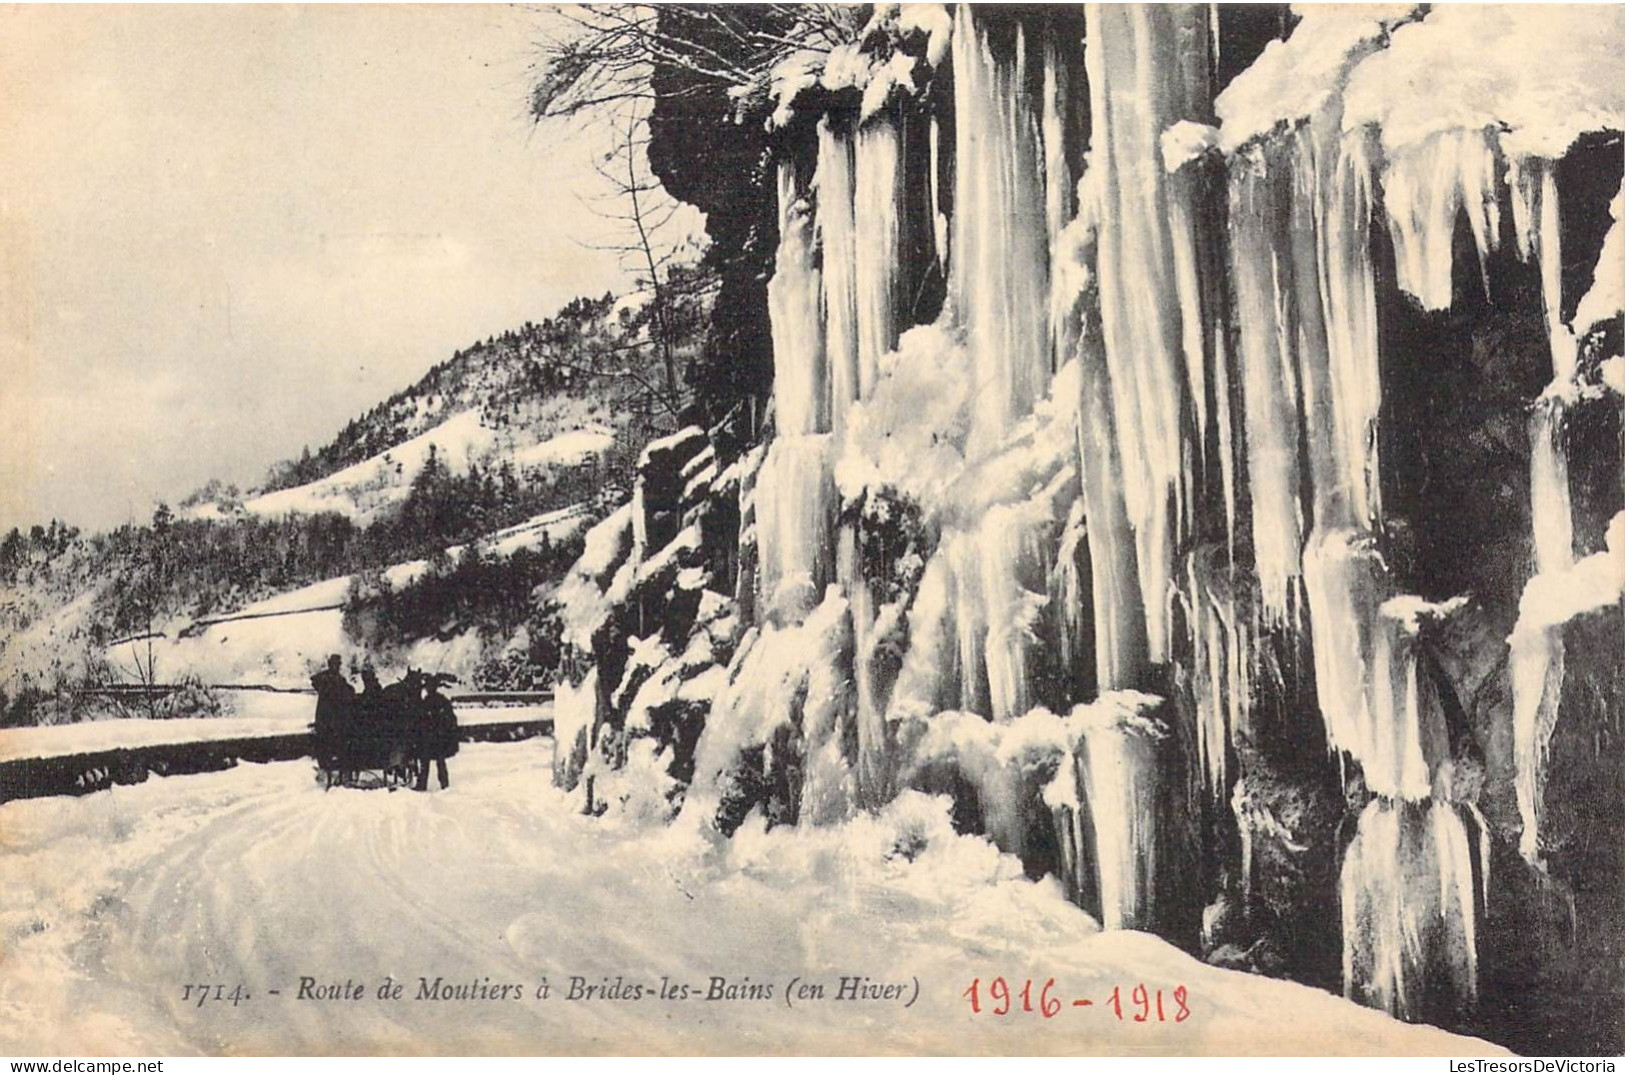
782,677
910,433
1544,73
1186,141
1293,79
880,60
1605,300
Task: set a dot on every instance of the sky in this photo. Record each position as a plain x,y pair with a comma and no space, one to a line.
224,231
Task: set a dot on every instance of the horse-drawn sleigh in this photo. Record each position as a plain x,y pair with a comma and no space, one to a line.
383,736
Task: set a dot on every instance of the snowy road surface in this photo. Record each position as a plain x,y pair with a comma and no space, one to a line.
111,904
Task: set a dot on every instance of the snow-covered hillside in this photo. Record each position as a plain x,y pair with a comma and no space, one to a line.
256,877
365,490
282,640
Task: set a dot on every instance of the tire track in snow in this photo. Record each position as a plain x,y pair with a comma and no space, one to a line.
291,881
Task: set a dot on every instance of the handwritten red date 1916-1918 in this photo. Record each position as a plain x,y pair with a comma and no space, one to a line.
1138,1004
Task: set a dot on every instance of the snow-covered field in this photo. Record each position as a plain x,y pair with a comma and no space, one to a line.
111,904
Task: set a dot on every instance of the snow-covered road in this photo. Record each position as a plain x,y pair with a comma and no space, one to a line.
111,904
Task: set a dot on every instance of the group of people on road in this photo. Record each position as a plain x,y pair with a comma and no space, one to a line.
397,731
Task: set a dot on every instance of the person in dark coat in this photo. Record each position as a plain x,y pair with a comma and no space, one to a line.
334,701
395,717
438,731
366,737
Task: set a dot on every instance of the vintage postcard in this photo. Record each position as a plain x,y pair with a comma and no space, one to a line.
812,529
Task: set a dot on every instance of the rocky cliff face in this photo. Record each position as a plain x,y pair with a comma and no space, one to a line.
1215,489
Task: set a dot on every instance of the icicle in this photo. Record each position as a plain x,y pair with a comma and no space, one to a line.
1300,194
1408,737
939,219
1550,601
800,376
745,584
1304,272
1305,300
995,579
1425,188
1219,662
1224,420
1537,221
1456,899
1069,594
1121,772
931,677
1238,809
1010,558
1183,234
1270,382
1537,691
873,771
879,249
1121,650
1377,706
1239,652
795,516
1215,734
1065,798
837,230
1549,249
1483,850
1524,176
1351,337
1148,67
970,622
1058,182
1000,275
1409,922
1550,508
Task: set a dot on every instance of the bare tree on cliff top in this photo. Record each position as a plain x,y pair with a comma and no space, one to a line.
605,54
638,74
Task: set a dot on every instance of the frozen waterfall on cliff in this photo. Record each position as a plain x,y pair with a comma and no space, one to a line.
1109,484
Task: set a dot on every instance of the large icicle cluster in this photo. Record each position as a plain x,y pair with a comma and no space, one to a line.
1152,318
1301,180
1124,465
